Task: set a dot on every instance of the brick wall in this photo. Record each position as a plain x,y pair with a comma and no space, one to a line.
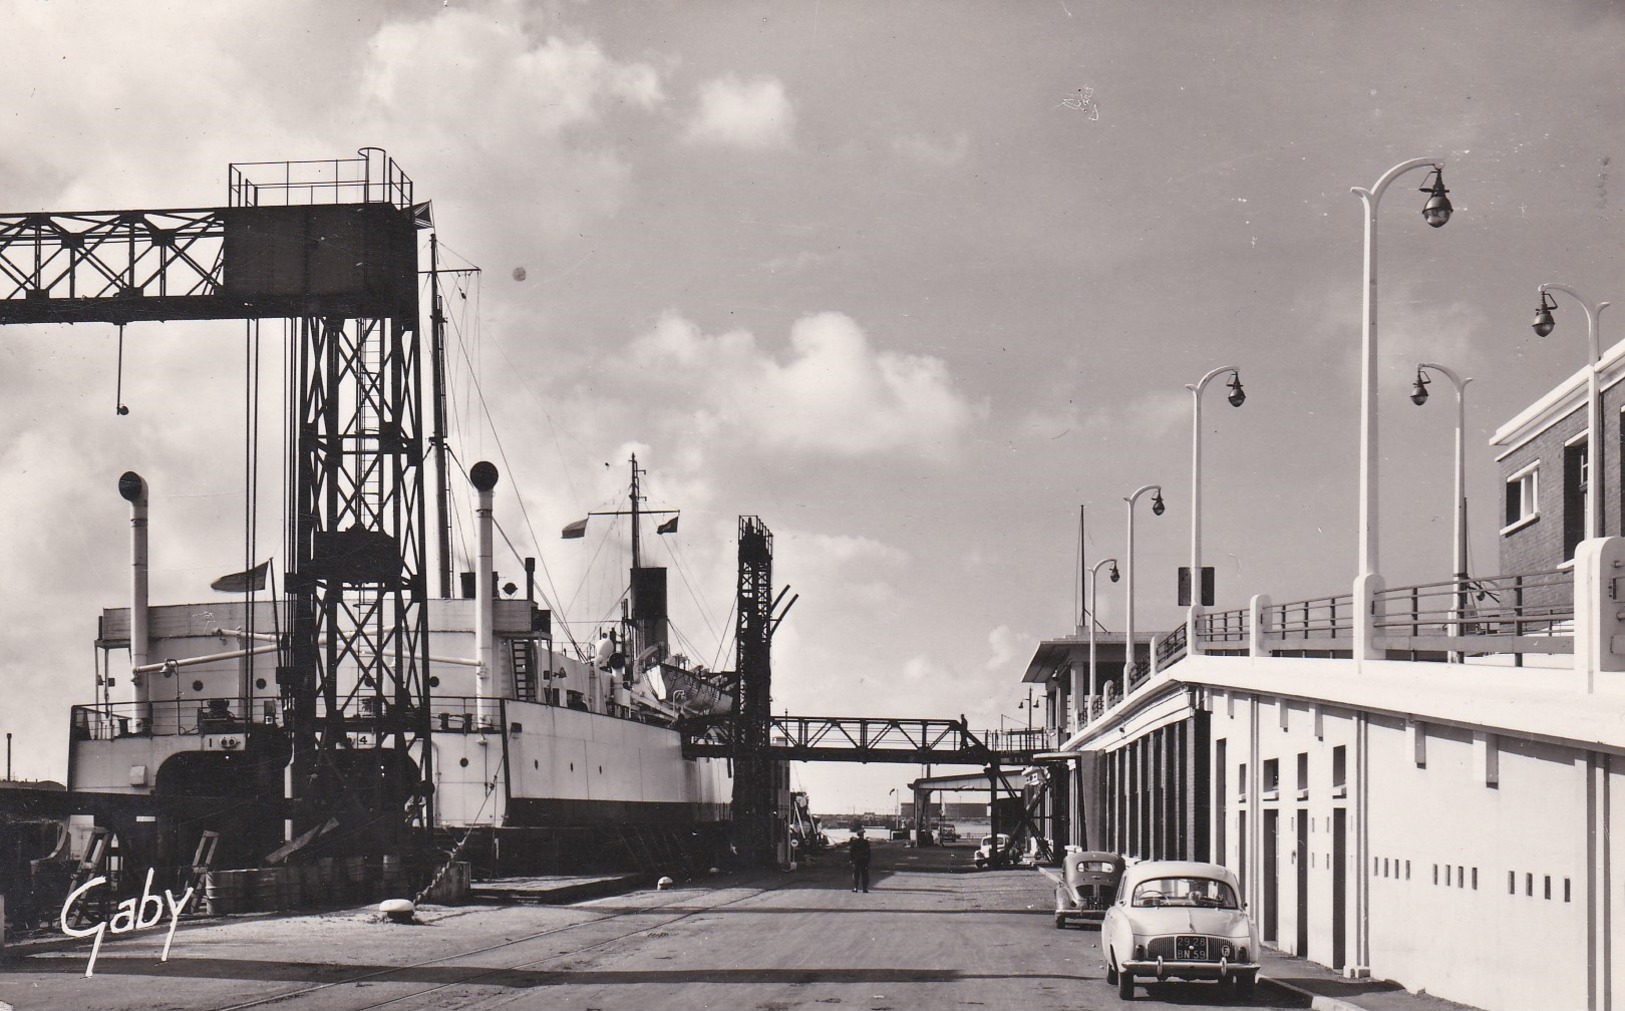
1538,547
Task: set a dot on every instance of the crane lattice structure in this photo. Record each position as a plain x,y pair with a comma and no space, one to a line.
330,246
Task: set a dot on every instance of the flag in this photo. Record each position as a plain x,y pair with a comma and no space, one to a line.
423,214
668,527
243,582
576,529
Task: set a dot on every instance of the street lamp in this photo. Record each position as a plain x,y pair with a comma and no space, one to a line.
1436,211
1543,325
1419,396
1157,509
1237,397
1094,588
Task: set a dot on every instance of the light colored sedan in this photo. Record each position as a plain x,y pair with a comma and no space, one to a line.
1179,919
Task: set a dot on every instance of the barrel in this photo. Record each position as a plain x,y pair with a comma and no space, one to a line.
226,891
391,872
311,892
267,888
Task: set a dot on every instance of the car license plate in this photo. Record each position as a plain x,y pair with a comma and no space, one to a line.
1190,949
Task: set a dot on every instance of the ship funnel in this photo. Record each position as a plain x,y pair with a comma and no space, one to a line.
483,476
133,489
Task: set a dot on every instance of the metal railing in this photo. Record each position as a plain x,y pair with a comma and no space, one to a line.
1525,613
1494,614
1222,627
173,717
1314,620
1171,648
372,178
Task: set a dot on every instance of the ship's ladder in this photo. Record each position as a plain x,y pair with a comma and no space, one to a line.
203,868
522,652
90,864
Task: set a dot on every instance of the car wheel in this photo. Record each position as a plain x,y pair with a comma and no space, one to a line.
1111,972
1125,985
1060,922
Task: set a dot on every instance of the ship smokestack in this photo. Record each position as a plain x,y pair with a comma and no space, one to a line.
133,489
483,476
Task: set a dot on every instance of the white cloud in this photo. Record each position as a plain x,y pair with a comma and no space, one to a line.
499,105
835,394
752,114
1008,650
1148,417
940,152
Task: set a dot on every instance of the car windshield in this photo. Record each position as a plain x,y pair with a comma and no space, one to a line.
1205,892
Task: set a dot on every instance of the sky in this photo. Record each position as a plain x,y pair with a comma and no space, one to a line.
912,282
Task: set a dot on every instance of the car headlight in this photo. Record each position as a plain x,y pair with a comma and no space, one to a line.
1242,956
1139,952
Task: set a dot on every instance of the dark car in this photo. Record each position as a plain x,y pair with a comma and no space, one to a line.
1088,885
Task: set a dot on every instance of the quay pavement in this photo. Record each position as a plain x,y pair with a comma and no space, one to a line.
931,933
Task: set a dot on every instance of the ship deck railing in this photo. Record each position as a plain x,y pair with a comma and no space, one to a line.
110,721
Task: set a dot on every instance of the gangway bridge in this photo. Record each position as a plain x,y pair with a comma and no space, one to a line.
864,739
869,739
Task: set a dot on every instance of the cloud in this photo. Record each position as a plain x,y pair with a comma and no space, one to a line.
1007,648
1149,416
754,114
835,394
944,153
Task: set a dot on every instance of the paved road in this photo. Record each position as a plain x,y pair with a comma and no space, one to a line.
927,936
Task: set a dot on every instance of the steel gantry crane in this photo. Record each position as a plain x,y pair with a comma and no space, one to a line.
331,247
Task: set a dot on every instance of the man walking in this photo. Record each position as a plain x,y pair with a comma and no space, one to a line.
858,851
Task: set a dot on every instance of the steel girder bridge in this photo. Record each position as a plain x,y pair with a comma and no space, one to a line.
871,739
856,739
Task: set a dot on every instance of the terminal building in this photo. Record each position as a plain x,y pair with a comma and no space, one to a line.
1417,786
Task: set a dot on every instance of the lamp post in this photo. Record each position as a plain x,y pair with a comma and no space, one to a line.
1094,679
1157,509
1419,396
1543,325
1238,396
1435,212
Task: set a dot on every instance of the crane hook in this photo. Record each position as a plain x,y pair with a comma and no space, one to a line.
118,395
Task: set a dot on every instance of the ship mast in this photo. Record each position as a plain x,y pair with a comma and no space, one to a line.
442,483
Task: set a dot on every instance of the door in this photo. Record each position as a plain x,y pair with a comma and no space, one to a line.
1301,857
1340,885
1270,870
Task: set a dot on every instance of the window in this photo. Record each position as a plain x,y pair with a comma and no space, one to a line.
1272,778
1340,771
1303,775
1192,892
1523,498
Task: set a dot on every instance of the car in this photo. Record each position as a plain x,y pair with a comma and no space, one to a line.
948,832
1088,886
1179,919
994,851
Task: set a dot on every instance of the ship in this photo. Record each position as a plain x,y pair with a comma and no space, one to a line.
548,756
